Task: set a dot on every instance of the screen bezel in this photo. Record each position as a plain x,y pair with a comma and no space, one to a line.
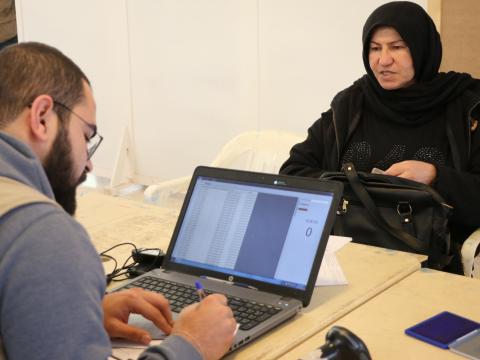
292,183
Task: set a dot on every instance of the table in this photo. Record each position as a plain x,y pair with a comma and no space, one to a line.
113,220
369,270
381,322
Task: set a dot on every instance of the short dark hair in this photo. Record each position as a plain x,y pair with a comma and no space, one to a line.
30,69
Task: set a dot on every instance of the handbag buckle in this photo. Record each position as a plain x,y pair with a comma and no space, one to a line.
343,207
404,209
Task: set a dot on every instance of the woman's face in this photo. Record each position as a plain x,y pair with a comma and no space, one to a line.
390,59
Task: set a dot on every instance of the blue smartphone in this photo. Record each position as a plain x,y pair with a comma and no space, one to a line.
443,329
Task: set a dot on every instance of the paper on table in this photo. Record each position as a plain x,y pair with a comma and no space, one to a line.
330,271
123,350
314,355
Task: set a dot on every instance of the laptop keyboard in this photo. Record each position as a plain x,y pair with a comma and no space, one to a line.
247,313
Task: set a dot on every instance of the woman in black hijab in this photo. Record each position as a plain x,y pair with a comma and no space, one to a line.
403,117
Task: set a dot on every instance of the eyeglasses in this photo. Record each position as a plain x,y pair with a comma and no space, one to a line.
94,141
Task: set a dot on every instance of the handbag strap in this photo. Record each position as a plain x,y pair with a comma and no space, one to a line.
457,164
372,209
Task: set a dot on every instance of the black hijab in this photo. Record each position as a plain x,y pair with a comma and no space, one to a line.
419,102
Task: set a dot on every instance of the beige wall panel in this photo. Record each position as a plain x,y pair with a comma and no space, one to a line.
460,31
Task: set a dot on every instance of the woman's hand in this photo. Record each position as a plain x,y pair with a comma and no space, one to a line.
419,171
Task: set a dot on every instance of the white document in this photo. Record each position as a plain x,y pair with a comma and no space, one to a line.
330,271
124,350
314,355
378,171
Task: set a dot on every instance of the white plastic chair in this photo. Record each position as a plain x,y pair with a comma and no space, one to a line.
470,262
261,151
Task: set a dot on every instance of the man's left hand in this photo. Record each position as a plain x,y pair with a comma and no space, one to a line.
119,305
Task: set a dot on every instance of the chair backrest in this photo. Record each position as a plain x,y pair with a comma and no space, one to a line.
471,255
262,151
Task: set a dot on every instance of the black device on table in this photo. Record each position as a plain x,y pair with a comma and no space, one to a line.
342,344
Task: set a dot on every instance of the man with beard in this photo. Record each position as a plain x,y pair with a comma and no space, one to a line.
52,284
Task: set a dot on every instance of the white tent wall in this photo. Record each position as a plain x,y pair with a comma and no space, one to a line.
176,79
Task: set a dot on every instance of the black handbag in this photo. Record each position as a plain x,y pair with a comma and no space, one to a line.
394,213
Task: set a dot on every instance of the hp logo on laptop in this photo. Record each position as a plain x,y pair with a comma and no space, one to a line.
230,278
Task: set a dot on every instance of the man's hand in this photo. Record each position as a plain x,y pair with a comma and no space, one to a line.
119,305
414,170
208,325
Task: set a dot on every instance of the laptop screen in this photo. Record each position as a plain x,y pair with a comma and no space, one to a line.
256,231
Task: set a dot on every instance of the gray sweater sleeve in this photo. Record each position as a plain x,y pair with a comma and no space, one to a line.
173,348
51,288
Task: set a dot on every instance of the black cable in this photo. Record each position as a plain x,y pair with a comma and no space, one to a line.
124,270
111,258
115,273
121,244
126,261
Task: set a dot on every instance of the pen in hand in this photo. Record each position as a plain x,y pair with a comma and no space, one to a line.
202,295
200,291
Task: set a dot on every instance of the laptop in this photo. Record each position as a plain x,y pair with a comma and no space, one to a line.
257,238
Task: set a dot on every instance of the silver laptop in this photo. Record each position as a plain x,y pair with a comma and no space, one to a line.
257,238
